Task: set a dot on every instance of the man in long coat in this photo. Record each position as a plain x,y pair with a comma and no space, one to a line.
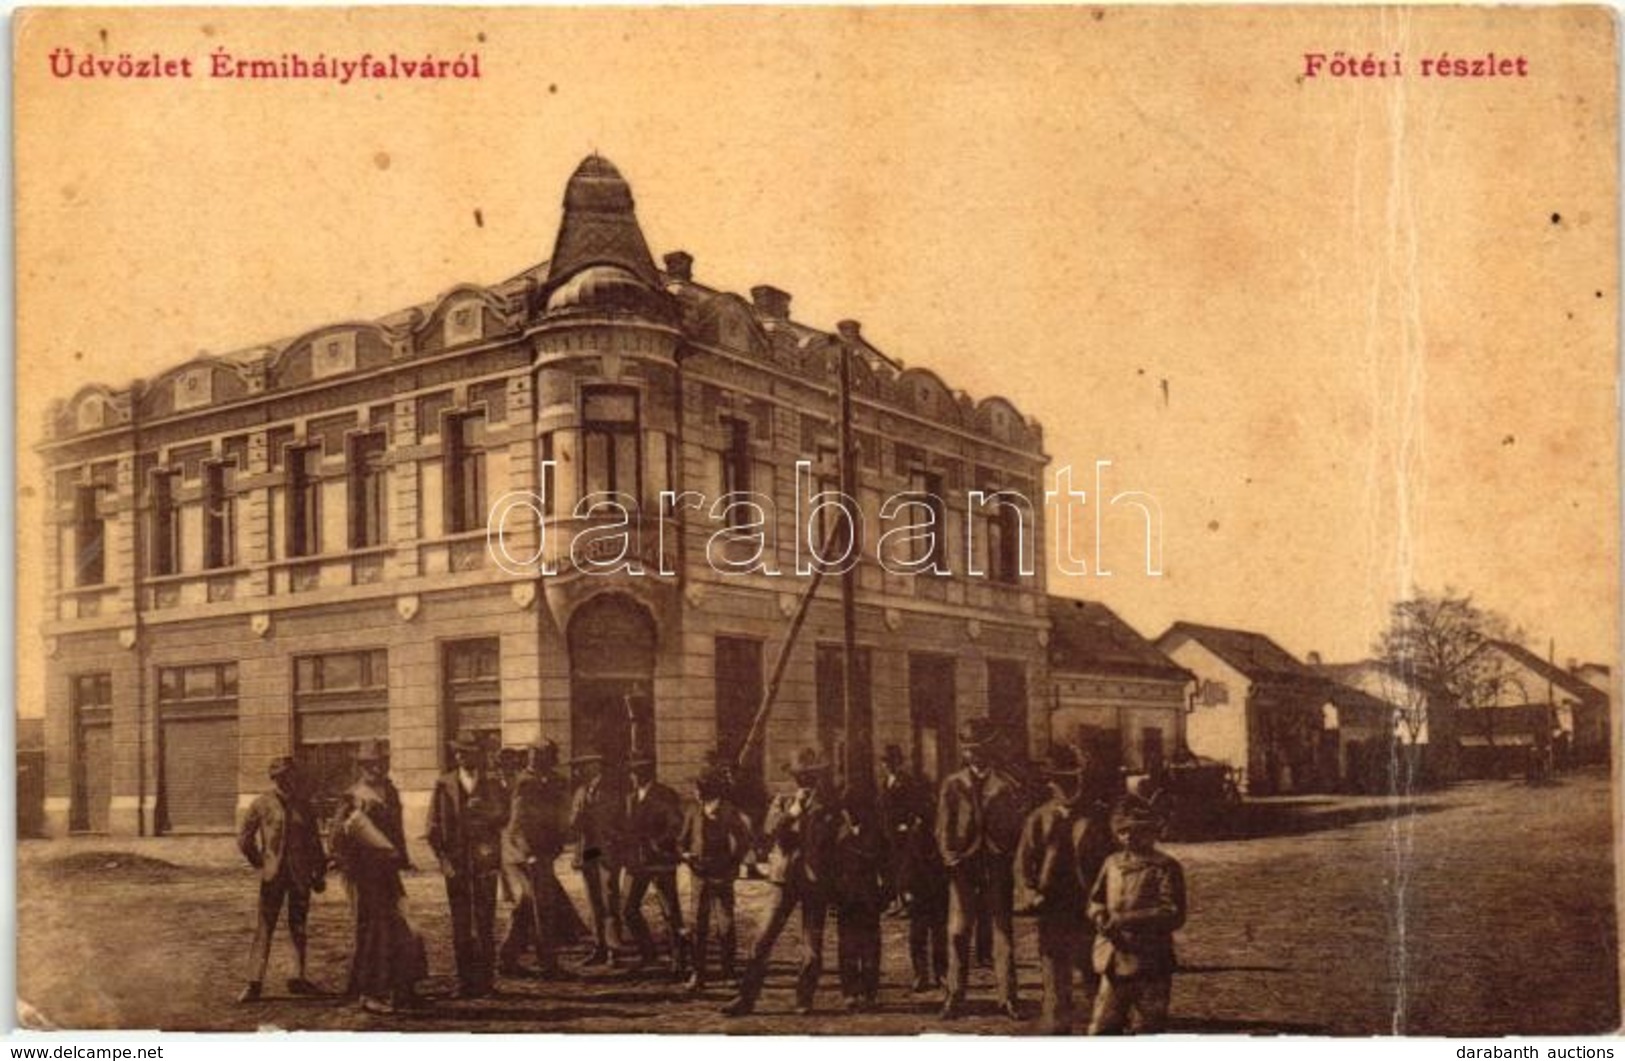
906,807
979,818
466,815
538,811
597,820
654,820
279,838
1063,845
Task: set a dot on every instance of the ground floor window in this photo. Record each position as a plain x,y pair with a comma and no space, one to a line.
91,702
739,695
831,697
197,748
471,698
340,699
931,714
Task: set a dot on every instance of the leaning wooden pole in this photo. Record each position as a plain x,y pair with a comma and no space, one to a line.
757,724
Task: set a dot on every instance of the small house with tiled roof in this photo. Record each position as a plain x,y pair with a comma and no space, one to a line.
1268,714
1529,707
1116,695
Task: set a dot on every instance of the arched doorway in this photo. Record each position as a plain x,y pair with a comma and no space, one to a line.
612,660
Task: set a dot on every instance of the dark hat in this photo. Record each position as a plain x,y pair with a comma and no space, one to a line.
807,761
892,756
281,766
545,754
1064,760
1134,815
371,751
586,757
639,760
977,733
711,784
510,756
465,742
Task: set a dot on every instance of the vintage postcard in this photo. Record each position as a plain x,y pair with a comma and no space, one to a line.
1009,521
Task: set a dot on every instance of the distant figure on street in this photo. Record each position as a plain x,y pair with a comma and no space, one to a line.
466,815
918,880
654,818
1136,905
861,894
715,839
597,818
369,843
803,826
979,818
1063,845
279,838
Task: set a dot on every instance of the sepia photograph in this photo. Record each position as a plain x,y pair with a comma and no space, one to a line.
1004,521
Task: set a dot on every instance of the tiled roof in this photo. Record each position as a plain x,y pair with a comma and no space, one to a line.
1562,679
1087,636
1252,654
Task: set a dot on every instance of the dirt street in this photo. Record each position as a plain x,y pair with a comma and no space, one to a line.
1484,909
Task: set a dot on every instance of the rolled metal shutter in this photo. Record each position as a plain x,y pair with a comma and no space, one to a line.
199,774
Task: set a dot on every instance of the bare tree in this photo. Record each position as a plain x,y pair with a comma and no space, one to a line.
1432,651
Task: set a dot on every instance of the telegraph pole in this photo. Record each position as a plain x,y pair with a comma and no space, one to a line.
855,714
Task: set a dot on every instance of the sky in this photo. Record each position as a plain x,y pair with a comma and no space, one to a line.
1356,336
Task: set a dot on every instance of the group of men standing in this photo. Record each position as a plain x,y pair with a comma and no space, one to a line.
953,861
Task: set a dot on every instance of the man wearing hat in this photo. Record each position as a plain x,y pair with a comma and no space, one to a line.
369,843
279,838
538,810
1136,905
466,815
917,878
715,839
654,819
979,818
596,812
804,826
1063,845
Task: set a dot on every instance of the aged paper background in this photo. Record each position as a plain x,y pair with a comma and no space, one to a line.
1356,335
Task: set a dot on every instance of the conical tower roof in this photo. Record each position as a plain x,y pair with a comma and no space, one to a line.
600,227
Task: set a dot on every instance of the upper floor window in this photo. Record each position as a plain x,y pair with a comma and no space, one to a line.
1004,534
736,465
89,537
465,472
368,490
304,501
219,514
166,523
930,548
611,441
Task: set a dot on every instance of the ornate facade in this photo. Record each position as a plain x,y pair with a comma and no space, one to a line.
287,549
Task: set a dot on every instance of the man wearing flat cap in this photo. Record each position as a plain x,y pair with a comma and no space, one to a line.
979,818
1063,845
279,838
803,826
1136,905
466,815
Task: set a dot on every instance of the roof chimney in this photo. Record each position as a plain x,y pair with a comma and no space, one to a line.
680,267
850,331
1314,659
770,302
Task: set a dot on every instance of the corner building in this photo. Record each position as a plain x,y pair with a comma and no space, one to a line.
285,549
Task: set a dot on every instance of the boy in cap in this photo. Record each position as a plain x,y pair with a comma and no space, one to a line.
715,839
1063,845
1136,905
279,838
